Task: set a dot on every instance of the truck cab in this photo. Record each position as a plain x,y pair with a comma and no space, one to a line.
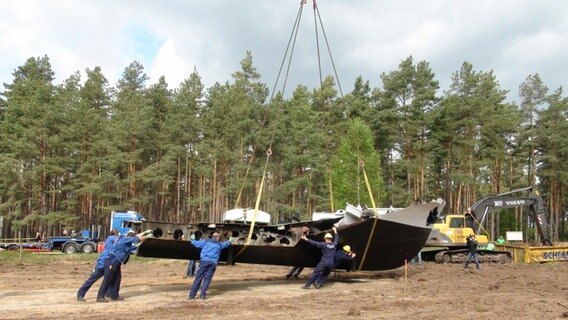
126,221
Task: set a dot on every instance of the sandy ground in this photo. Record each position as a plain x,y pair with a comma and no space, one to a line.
155,289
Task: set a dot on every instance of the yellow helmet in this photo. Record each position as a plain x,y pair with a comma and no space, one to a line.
347,248
328,236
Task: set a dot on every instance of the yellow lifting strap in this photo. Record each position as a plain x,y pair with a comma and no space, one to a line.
251,229
362,164
330,191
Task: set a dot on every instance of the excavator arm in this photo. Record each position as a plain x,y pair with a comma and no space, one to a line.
534,201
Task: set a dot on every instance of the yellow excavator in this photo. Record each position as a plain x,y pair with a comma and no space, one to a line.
447,241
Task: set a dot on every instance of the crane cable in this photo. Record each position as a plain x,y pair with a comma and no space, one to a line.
290,47
362,165
316,10
291,40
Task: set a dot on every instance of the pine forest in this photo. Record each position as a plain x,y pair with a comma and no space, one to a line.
73,152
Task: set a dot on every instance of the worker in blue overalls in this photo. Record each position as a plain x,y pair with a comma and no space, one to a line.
345,256
99,270
327,261
210,252
118,255
191,265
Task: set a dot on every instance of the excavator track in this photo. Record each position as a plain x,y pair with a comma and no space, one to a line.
484,256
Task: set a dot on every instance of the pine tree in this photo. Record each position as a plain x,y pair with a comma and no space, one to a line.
533,95
405,105
131,116
184,131
552,154
355,158
29,131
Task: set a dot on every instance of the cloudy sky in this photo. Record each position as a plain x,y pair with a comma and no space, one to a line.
514,38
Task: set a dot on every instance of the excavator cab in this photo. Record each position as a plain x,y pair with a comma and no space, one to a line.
452,232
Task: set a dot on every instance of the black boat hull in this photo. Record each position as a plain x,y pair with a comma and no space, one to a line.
396,238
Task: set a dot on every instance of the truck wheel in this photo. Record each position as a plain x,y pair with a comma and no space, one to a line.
88,247
12,247
70,248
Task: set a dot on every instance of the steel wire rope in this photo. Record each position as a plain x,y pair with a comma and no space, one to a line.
317,42
317,13
292,40
328,49
293,36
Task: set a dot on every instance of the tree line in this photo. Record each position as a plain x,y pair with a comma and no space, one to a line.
73,152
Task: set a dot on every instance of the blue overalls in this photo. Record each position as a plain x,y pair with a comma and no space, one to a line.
327,261
119,254
210,252
99,269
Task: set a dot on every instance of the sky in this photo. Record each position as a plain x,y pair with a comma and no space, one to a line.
512,38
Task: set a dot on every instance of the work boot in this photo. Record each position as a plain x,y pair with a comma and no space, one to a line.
288,276
81,299
102,300
296,277
307,286
117,299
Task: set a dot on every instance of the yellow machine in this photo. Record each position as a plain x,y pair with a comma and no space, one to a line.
452,231
447,241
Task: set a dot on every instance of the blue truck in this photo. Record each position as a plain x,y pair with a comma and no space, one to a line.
123,221
82,242
126,221
85,242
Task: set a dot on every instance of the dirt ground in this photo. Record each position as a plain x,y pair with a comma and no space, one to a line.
155,289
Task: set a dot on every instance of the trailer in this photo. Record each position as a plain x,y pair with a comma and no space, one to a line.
72,245
25,246
84,242
67,245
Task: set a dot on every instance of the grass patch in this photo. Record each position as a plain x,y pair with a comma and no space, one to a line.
13,257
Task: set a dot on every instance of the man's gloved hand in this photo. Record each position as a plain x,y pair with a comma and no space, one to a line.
145,235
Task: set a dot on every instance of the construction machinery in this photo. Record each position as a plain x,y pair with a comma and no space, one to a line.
447,242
